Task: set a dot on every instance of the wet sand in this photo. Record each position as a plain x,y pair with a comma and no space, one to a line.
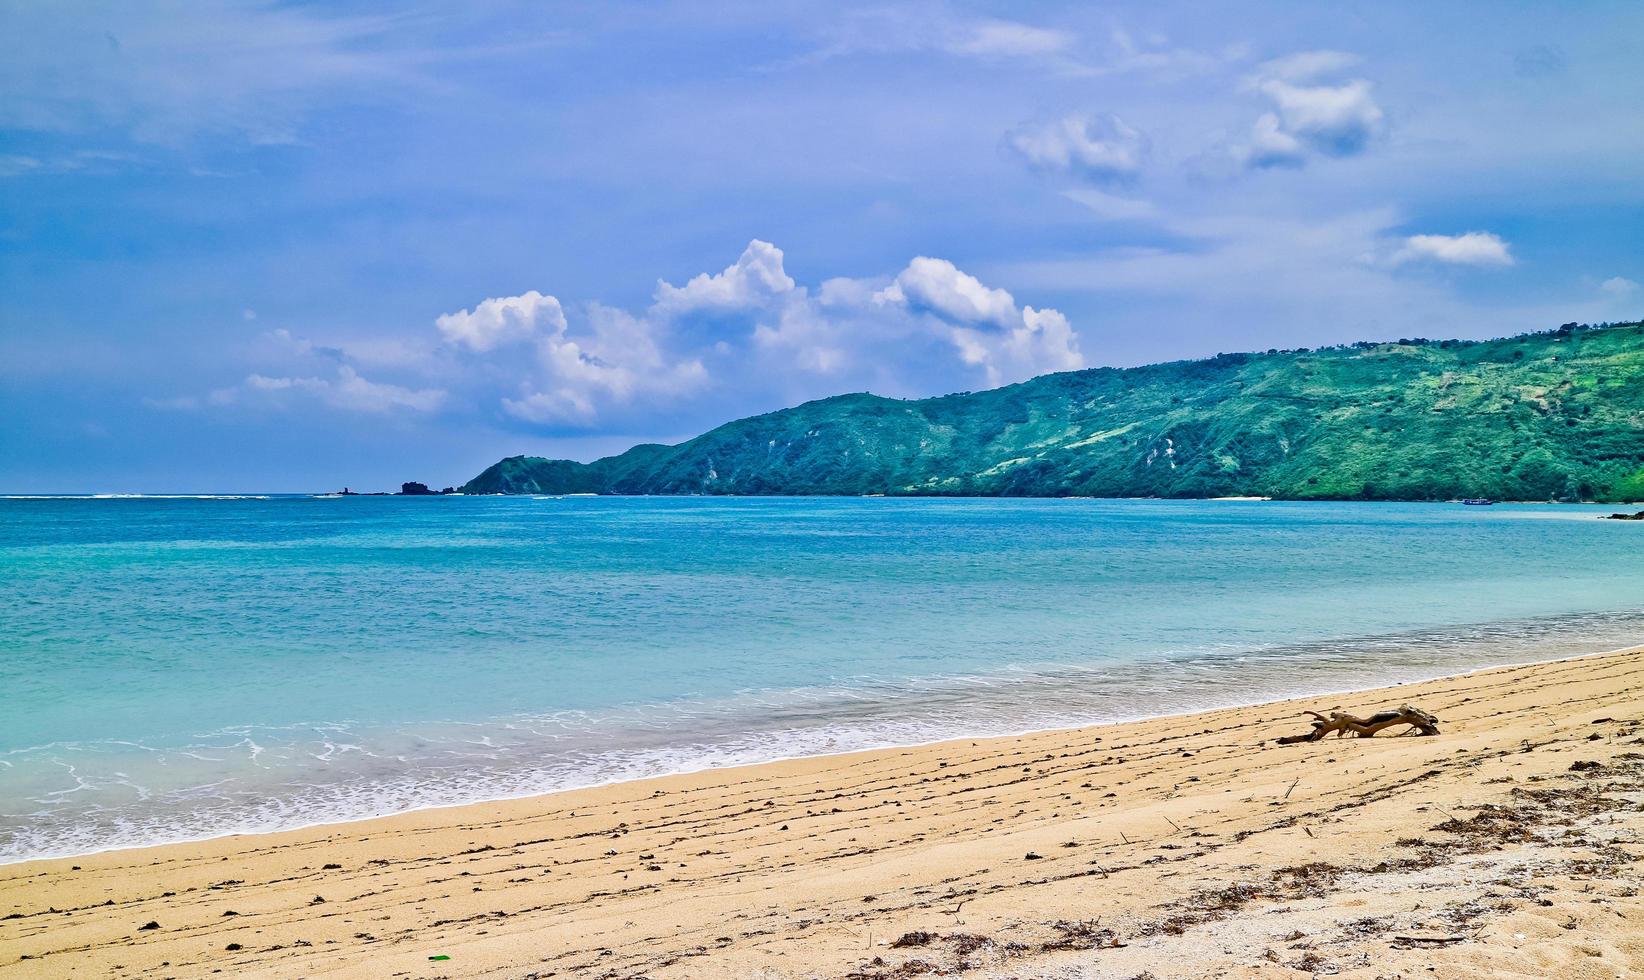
1189,846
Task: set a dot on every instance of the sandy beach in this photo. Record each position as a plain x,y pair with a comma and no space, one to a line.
1178,847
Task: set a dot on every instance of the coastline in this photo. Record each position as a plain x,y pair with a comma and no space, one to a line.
849,851
524,494
1325,689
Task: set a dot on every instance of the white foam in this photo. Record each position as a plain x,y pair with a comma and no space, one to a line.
291,776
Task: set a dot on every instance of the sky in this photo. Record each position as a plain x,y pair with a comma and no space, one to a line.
297,246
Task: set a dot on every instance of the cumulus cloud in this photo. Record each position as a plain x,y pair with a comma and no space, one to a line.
496,322
1618,286
1100,147
937,286
1270,145
930,324
614,360
984,324
1310,116
1039,342
576,372
1337,120
764,331
756,277
1478,248
749,332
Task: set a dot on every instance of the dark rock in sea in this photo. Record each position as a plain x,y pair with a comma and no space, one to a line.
1626,517
415,489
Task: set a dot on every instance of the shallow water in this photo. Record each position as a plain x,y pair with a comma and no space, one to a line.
183,667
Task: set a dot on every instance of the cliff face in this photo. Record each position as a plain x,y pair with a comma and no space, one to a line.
1558,415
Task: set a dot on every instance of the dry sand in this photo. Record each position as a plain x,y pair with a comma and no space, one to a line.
1180,847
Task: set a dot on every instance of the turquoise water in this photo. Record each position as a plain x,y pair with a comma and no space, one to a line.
180,668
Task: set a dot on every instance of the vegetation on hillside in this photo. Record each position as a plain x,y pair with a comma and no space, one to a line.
1554,415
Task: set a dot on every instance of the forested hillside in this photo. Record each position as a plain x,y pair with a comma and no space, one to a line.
1555,415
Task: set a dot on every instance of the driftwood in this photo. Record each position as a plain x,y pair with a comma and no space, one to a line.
1420,722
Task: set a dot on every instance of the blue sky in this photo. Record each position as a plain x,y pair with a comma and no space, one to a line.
264,246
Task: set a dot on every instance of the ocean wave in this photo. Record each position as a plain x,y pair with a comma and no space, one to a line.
68,798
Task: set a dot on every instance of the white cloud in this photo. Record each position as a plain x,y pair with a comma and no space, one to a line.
87,163
1283,280
1305,66
504,320
932,28
1618,286
1110,207
616,359
1271,146
345,390
889,30
1309,116
756,277
568,377
983,323
808,339
1480,248
1333,119
1041,341
937,285
749,330
1258,269
351,391
932,318
1100,147
1005,39
1155,55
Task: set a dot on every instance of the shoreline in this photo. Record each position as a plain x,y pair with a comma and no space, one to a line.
536,495
8,864
915,829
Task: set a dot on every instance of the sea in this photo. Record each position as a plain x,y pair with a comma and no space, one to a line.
178,668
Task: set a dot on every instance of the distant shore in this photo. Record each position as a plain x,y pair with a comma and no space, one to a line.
458,492
1189,845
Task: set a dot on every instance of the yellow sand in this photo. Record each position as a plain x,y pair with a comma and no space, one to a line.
1187,846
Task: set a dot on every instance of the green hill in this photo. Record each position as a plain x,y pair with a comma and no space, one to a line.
1556,415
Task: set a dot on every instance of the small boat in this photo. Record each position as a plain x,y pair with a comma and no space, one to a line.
1478,501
